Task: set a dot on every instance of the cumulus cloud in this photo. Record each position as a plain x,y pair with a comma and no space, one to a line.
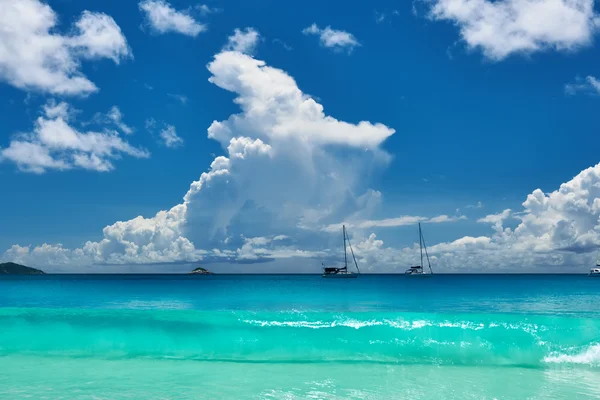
557,230
505,27
496,219
294,116
560,229
34,56
332,38
170,138
281,171
162,18
244,41
55,144
589,85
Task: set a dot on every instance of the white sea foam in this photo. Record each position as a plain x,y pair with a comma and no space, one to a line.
398,324
350,323
590,356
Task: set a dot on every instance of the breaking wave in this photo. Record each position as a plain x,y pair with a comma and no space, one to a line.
303,337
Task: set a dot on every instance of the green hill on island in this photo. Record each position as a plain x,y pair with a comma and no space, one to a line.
200,270
17,269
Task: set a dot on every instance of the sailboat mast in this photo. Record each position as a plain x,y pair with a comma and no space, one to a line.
421,244
427,255
345,255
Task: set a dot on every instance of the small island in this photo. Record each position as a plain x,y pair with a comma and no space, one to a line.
200,271
11,268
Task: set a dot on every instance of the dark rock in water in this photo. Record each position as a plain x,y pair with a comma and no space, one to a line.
201,271
17,269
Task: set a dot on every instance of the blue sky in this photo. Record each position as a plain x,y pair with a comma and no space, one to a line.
472,124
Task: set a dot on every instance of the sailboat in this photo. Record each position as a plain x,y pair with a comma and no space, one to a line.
334,272
418,270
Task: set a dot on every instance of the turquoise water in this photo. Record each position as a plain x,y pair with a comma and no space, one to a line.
296,337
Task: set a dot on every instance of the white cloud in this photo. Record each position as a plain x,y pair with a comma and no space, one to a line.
283,44
379,17
167,136
557,230
55,144
590,85
52,109
504,27
244,41
99,36
179,97
34,56
281,169
334,39
404,220
205,10
31,157
479,204
163,18
257,248
116,116
496,219
150,124
294,116
170,138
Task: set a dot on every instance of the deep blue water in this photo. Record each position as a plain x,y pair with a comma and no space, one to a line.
540,294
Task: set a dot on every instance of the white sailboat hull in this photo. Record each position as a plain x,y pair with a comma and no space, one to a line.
340,276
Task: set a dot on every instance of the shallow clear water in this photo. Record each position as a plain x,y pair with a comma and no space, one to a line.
288,337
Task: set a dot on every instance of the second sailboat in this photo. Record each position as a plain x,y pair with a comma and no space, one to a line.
418,270
335,272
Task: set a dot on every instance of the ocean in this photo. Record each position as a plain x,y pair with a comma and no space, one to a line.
299,337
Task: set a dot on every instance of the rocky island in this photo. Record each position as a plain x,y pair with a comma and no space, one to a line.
200,271
11,268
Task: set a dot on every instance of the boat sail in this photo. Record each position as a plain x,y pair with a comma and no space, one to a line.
418,270
334,272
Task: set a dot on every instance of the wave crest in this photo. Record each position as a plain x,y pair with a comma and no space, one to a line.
303,337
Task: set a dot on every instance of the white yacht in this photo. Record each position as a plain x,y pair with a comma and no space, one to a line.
418,270
335,272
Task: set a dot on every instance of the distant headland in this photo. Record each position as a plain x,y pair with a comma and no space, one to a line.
200,271
11,268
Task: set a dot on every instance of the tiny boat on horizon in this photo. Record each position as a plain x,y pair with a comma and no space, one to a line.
417,270
335,272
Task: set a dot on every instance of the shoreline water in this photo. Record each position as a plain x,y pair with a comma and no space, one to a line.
299,336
